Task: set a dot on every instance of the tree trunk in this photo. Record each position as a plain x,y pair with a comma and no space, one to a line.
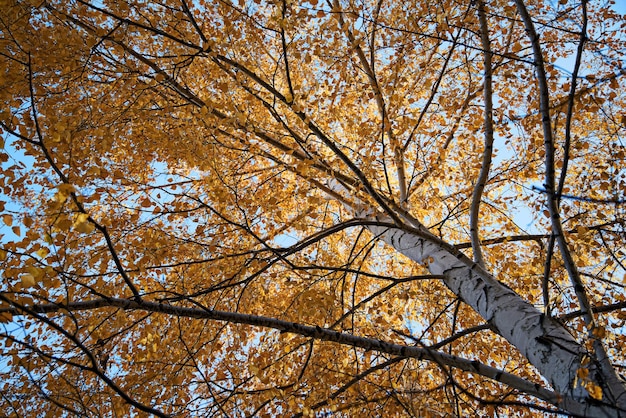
541,339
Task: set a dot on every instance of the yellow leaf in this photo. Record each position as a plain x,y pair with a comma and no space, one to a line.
7,219
82,224
599,332
27,280
63,192
594,390
36,272
42,252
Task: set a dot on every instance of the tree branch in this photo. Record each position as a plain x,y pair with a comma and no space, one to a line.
479,186
315,332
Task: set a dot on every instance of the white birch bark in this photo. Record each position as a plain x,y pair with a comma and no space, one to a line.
543,341
546,343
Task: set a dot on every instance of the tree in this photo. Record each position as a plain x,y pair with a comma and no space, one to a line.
288,208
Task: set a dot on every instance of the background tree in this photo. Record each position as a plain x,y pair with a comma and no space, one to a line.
298,208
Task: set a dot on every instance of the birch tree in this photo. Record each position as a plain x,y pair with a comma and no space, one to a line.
315,208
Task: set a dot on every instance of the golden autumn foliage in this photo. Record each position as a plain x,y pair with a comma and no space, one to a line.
187,190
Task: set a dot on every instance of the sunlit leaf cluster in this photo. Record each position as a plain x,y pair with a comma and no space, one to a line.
165,164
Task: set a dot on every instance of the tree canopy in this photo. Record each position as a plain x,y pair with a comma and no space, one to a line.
312,208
